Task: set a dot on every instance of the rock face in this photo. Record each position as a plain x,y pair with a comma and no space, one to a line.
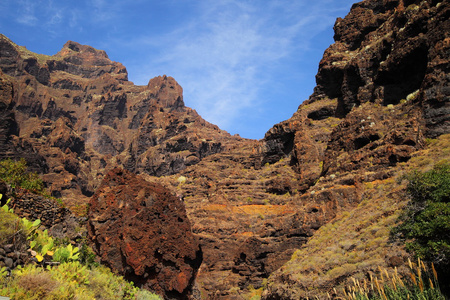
60,221
141,231
79,116
382,89
373,106
388,51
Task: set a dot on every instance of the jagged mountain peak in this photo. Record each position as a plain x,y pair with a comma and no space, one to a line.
71,47
112,121
382,89
167,90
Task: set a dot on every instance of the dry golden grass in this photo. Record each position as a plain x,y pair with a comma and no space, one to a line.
357,242
38,285
420,282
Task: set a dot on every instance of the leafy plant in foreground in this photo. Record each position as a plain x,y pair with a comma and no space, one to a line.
42,244
5,207
30,227
66,254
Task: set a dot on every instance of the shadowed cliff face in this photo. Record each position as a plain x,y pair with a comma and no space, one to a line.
382,87
386,51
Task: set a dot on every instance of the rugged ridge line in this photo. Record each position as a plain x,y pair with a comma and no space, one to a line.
382,89
79,113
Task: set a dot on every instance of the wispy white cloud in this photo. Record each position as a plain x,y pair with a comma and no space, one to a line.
225,56
46,14
217,60
74,17
51,14
27,13
232,57
102,11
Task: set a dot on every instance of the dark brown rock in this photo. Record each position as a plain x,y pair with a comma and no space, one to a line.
141,231
4,192
9,263
59,220
74,114
382,88
385,52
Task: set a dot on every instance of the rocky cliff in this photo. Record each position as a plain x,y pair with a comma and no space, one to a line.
382,89
78,113
386,81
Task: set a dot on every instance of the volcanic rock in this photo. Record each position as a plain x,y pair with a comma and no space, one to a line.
375,79
386,52
79,115
382,91
141,231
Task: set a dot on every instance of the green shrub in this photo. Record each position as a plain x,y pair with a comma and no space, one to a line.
31,283
8,226
66,254
15,173
3,272
69,280
426,223
433,185
146,295
105,285
87,255
11,230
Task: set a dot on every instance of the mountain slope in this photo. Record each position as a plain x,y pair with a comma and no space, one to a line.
78,112
357,243
382,89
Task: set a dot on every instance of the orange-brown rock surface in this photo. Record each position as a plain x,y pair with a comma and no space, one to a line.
141,231
382,88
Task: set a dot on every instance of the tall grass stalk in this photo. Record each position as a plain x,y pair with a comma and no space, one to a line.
422,284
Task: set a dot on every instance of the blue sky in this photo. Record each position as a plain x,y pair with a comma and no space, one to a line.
243,65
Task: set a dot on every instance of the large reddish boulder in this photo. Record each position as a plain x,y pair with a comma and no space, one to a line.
141,231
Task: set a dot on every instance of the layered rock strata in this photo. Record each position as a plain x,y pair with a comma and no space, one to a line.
80,116
382,89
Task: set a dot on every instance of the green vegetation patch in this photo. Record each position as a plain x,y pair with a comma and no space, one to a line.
11,229
72,275
426,225
70,280
15,173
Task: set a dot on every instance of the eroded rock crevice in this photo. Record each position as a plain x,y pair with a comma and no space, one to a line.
226,212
